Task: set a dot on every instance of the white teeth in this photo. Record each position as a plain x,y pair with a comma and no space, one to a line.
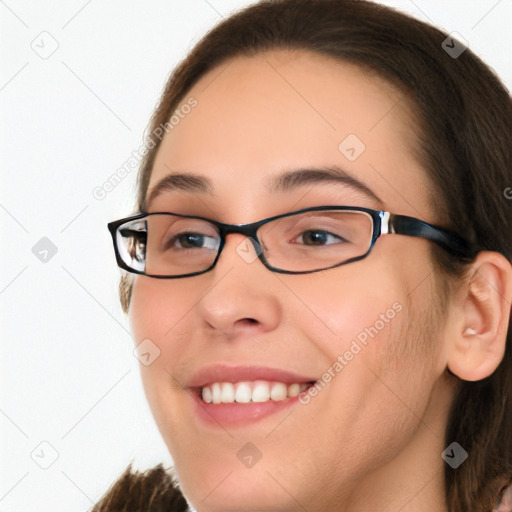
294,390
227,393
207,395
261,392
244,392
216,393
278,391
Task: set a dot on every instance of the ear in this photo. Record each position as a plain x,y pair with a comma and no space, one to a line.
479,325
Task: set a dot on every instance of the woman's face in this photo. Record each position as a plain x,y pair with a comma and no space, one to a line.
385,404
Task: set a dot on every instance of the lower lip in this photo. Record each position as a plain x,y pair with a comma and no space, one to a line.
239,414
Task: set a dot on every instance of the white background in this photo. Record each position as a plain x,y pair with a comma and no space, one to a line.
69,377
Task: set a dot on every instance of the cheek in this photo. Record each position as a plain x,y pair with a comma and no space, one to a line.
377,337
158,318
156,307
356,310
160,312
381,359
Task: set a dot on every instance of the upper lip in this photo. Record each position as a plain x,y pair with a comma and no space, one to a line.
228,373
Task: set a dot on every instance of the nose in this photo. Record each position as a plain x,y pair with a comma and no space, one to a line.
241,296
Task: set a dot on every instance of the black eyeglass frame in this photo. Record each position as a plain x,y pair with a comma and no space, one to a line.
383,223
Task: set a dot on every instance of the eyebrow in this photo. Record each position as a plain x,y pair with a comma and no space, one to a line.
284,182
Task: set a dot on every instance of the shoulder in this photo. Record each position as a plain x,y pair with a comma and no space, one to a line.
154,490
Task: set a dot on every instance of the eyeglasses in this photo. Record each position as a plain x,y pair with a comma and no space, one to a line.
170,245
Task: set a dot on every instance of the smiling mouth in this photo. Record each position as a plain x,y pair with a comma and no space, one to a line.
247,392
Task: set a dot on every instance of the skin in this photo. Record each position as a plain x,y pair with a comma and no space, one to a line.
372,439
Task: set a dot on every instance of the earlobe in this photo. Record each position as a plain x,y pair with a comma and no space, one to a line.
479,331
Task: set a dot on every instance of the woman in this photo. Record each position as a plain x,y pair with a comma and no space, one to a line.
351,351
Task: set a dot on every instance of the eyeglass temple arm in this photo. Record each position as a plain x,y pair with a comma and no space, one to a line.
404,225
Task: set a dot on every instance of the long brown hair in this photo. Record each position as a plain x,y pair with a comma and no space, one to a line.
464,117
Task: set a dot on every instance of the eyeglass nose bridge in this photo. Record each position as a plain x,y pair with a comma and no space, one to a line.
248,230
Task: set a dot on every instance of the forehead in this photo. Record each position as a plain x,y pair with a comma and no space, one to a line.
282,110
